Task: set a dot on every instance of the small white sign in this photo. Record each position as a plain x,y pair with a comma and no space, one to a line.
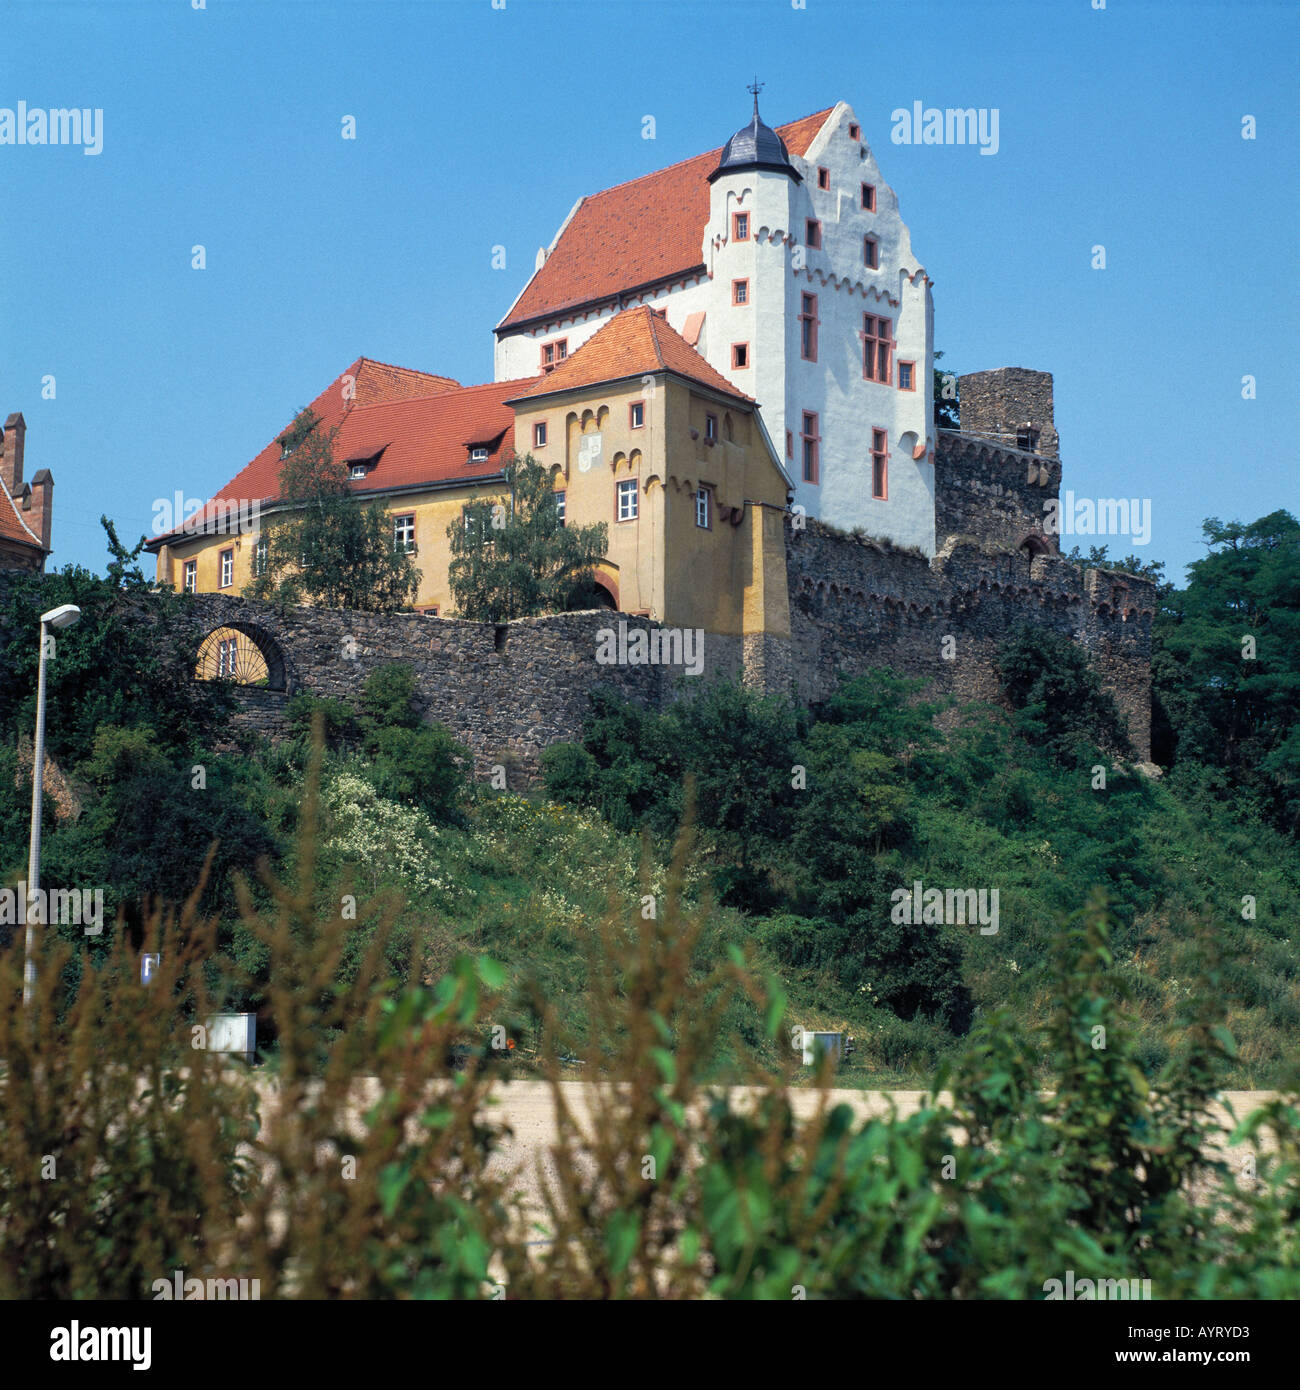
589,452
148,965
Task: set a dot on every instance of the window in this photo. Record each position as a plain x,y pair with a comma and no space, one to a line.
740,226
627,500
560,500
855,131
702,517
358,470
907,376
227,568
1027,439
554,353
636,414
877,349
813,234
871,253
404,533
740,291
261,554
879,464
477,517
869,197
191,576
539,433
478,454
710,427
789,444
739,356
226,649
808,327
823,177
810,443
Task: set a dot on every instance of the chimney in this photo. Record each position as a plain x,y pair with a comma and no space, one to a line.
38,505
1012,405
11,453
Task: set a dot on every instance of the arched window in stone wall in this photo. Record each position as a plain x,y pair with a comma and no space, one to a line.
243,654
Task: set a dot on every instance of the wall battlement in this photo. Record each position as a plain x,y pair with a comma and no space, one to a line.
855,604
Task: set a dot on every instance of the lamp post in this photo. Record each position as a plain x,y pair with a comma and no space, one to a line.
63,616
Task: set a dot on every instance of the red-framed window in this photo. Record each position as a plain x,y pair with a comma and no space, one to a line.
554,353
870,253
739,356
877,349
808,327
226,568
869,197
823,177
907,376
740,292
880,465
636,415
539,433
811,446
740,226
812,230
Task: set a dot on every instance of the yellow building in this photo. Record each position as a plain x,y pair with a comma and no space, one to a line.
637,430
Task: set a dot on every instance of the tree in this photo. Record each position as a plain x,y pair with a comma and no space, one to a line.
946,415
1098,557
515,557
1061,704
1226,661
324,547
128,662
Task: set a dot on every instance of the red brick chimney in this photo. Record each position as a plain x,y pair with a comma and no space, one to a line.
38,504
11,453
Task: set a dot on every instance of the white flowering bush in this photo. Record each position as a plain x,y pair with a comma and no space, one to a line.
380,837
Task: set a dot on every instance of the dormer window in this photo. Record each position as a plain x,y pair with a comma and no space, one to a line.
359,470
478,454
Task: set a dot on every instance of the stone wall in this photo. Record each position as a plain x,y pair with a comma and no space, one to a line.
992,492
855,604
508,690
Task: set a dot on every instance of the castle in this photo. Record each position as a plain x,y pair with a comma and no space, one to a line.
729,362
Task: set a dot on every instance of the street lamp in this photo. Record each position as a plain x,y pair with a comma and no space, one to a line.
63,616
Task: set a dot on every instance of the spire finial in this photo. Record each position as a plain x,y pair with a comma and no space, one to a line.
756,86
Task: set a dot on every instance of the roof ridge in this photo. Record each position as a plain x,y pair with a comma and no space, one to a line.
690,159
440,395
397,367
654,334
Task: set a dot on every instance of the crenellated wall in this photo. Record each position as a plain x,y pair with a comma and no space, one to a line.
857,604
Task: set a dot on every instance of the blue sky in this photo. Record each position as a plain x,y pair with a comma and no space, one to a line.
479,127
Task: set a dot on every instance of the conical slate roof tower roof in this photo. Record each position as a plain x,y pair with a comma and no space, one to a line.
755,146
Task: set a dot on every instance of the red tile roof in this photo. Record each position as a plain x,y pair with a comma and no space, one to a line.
636,233
634,343
421,426
12,526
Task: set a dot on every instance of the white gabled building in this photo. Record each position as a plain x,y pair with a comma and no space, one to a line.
783,259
